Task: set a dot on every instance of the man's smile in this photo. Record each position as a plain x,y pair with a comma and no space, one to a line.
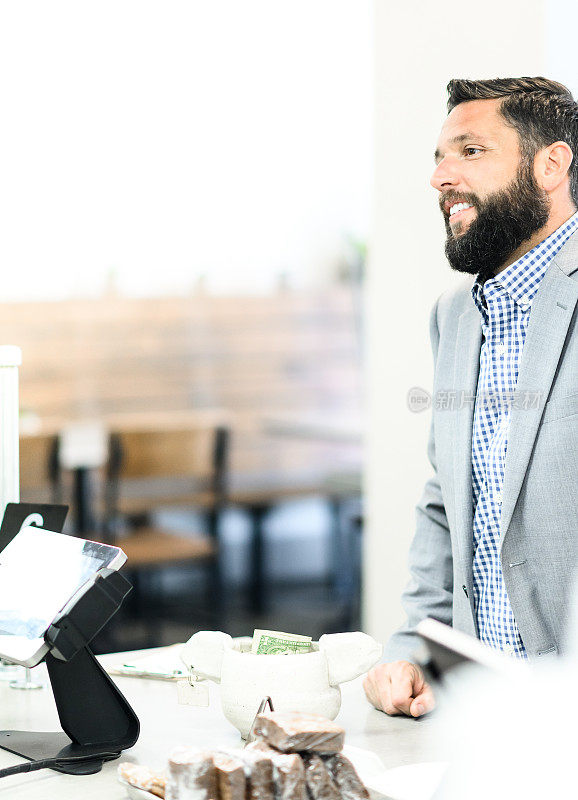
451,203
457,211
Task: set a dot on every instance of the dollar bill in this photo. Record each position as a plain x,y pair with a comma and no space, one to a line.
278,643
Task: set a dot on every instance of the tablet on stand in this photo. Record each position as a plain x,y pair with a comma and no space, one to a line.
56,593
16,517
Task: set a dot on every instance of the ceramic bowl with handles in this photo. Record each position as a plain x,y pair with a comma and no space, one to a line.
307,682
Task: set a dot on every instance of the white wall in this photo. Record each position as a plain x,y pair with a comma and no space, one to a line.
169,141
560,30
419,46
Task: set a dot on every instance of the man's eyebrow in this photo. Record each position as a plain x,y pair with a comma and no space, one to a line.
462,137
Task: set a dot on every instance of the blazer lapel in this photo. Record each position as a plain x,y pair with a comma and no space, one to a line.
552,310
466,369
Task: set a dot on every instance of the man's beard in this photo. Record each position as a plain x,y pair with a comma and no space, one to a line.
504,220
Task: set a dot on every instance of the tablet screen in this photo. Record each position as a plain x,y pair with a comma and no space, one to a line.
39,573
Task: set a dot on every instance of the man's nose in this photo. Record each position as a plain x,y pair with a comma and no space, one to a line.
444,175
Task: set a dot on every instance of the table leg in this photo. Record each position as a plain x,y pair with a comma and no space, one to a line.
346,527
343,551
83,501
256,600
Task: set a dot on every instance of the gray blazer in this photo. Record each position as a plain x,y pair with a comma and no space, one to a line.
539,520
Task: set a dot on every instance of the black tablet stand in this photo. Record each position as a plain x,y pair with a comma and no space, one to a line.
96,719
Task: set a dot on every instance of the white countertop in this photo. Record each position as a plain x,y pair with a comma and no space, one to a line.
165,724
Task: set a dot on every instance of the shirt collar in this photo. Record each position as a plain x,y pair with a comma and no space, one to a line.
521,280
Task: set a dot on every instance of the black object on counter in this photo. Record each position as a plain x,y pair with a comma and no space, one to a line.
41,515
97,720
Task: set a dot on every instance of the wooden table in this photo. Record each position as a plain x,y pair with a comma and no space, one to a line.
164,724
331,428
259,494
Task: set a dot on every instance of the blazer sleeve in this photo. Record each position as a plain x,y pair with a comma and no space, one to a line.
429,591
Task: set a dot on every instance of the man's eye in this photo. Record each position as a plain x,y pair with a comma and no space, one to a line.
472,151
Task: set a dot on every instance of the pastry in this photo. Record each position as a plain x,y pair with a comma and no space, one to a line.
320,784
295,732
288,772
346,778
259,772
231,778
143,778
192,775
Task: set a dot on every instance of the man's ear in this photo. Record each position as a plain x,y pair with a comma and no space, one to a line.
552,165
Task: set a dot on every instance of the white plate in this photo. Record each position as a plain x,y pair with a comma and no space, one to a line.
367,764
411,782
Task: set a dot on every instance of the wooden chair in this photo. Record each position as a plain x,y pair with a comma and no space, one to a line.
39,472
149,470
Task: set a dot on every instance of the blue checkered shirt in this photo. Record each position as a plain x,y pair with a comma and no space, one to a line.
505,303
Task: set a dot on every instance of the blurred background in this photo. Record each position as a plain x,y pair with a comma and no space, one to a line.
219,250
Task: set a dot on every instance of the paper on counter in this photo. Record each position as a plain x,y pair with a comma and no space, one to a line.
165,665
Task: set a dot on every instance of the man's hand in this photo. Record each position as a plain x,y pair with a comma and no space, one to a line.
399,688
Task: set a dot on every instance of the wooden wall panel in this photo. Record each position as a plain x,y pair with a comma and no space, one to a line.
254,356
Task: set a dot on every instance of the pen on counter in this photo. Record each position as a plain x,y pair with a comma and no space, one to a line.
159,673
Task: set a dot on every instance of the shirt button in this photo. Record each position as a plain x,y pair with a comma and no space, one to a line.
498,498
524,306
501,348
509,649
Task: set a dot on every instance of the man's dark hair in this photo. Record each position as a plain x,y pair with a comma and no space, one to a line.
541,111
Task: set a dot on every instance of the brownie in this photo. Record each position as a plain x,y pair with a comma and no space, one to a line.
294,732
258,746
288,772
192,775
319,782
231,777
259,772
346,778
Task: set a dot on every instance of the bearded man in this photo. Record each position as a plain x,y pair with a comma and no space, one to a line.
494,551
